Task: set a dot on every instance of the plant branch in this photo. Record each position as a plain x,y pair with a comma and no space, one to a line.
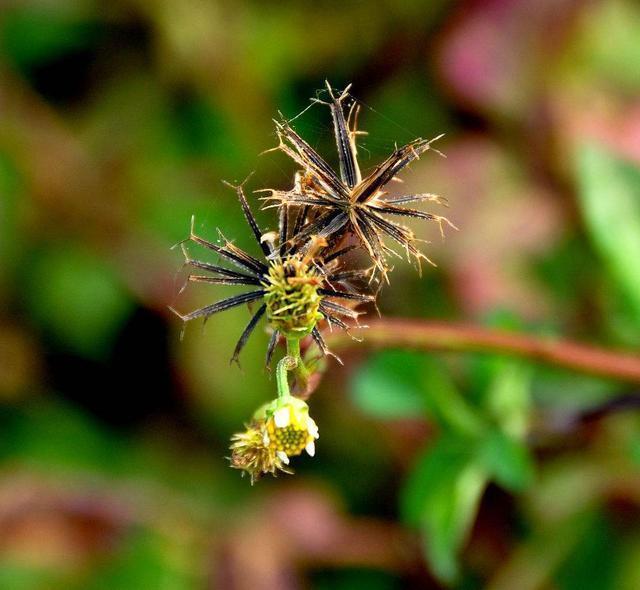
428,336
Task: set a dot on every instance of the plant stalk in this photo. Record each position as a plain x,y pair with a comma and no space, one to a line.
425,335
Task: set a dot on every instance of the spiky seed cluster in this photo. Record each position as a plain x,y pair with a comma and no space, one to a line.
302,277
297,284
348,203
303,272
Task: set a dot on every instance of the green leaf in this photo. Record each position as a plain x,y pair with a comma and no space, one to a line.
609,196
508,460
77,299
508,398
441,497
390,386
579,392
401,384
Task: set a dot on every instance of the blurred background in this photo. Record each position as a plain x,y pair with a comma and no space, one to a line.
118,121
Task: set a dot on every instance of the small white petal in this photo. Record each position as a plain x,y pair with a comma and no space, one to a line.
311,448
281,417
265,439
312,428
283,457
270,236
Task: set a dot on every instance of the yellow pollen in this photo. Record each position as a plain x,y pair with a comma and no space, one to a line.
291,440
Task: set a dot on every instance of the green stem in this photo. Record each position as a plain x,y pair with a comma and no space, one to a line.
293,347
293,350
286,364
292,361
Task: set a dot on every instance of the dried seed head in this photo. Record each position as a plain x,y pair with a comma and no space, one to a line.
252,453
337,203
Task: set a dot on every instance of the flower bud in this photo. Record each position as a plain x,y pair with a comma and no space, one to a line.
289,428
292,298
280,429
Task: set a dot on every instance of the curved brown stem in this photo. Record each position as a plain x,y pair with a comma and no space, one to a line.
427,335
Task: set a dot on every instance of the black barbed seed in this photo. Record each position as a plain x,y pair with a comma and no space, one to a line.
292,274
346,202
306,278
303,276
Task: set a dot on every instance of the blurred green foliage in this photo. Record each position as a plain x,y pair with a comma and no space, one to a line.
117,123
83,304
481,441
610,198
